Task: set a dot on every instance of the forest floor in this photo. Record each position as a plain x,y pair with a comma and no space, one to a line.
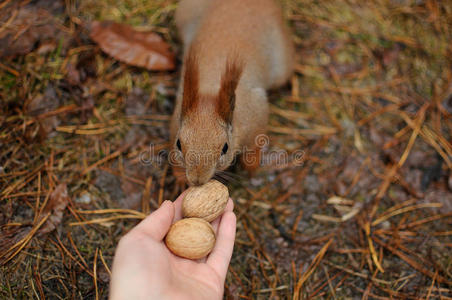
361,206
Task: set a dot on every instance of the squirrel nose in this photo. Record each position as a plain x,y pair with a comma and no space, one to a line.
195,180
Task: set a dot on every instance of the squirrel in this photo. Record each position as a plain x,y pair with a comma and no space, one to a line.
234,51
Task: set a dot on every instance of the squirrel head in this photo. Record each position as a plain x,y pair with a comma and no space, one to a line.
204,141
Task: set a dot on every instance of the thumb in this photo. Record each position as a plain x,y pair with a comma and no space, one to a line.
157,224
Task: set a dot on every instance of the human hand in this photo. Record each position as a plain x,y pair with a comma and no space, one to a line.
144,268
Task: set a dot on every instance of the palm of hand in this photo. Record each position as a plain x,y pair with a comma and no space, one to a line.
198,279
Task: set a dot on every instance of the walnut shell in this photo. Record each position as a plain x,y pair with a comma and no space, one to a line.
207,201
192,238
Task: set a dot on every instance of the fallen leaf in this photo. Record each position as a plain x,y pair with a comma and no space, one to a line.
9,237
449,181
447,103
388,56
86,66
73,75
55,206
46,47
14,238
29,27
42,104
142,49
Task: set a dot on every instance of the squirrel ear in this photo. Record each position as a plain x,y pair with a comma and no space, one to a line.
191,77
229,82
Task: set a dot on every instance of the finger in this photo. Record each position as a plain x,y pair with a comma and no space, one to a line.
221,255
178,207
157,224
229,207
215,224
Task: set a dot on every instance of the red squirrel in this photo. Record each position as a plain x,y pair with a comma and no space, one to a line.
234,50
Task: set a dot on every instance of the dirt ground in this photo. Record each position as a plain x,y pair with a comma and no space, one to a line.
361,208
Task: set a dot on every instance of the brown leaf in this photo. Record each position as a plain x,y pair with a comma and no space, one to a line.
10,236
42,104
142,49
46,47
13,239
73,75
56,205
28,27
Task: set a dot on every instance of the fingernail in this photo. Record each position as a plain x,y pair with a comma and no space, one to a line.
166,202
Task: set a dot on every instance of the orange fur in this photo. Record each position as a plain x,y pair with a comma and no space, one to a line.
191,83
234,51
226,97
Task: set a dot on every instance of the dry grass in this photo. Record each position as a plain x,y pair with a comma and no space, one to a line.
368,214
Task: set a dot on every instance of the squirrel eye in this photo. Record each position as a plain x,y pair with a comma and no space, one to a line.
178,145
225,149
